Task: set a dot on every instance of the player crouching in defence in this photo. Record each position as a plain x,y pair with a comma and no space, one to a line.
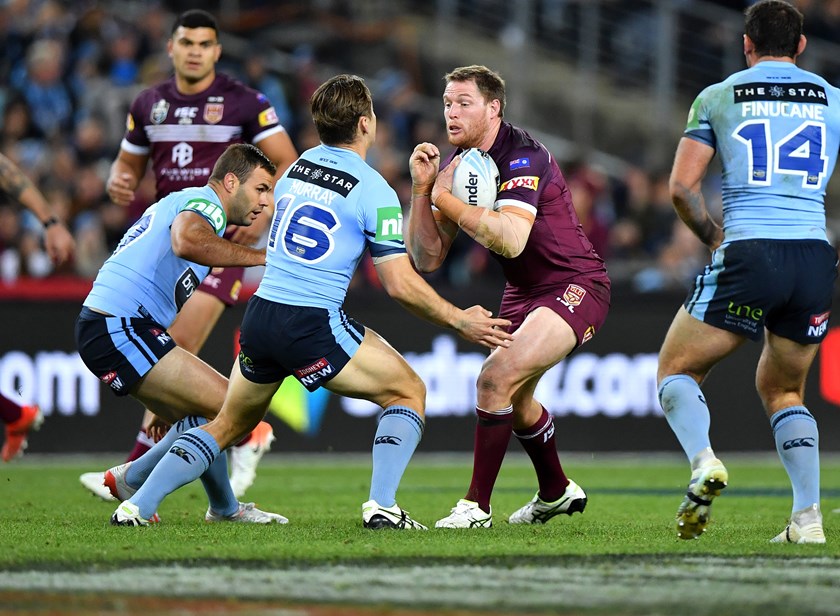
330,207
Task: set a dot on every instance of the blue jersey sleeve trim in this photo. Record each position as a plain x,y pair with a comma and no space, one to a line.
703,136
381,250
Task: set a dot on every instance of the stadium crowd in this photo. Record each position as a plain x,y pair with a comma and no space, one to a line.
70,70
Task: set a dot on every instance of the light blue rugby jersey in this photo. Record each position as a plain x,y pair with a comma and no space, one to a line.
776,128
143,271
330,206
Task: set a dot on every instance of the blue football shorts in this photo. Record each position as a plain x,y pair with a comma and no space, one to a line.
783,285
313,344
120,350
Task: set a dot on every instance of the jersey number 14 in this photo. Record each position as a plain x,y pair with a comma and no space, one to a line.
800,152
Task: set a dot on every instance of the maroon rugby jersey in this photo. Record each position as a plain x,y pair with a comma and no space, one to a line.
184,135
557,250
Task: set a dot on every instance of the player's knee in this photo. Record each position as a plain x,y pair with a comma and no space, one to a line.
406,390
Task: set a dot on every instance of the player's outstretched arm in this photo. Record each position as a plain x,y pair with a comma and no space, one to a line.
58,241
194,239
430,233
474,324
690,164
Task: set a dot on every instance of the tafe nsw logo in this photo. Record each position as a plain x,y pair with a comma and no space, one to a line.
818,324
389,224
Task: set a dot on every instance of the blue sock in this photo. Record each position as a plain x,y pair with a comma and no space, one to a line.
217,484
686,411
140,468
798,444
397,436
187,459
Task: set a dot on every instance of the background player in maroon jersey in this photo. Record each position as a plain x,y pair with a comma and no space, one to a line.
183,125
556,296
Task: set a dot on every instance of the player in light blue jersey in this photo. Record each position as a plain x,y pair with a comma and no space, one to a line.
330,207
776,129
121,332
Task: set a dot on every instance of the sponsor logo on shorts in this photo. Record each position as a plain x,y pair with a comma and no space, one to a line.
387,440
313,373
531,182
246,364
162,336
572,296
818,324
746,312
114,381
743,317
213,113
519,163
805,441
587,335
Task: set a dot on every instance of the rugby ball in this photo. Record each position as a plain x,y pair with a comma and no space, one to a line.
476,179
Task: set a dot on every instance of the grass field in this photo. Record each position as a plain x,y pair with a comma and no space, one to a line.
620,556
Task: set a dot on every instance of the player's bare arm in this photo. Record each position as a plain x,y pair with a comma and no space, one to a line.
505,232
409,289
126,172
690,165
430,233
280,150
58,241
194,239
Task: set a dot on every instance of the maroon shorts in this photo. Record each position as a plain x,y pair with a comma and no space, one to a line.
582,304
224,283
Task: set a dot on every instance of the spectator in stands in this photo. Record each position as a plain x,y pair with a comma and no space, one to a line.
42,85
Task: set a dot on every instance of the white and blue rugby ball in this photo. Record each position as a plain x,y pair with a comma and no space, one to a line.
476,179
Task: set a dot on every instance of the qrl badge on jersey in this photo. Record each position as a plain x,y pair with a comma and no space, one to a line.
213,113
572,296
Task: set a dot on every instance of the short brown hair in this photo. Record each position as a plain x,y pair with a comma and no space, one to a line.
241,159
489,83
336,107
774,27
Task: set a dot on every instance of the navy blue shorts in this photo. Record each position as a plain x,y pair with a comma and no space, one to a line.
783,285
120,350
313,344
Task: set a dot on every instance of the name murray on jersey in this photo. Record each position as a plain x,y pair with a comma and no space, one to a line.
799,100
